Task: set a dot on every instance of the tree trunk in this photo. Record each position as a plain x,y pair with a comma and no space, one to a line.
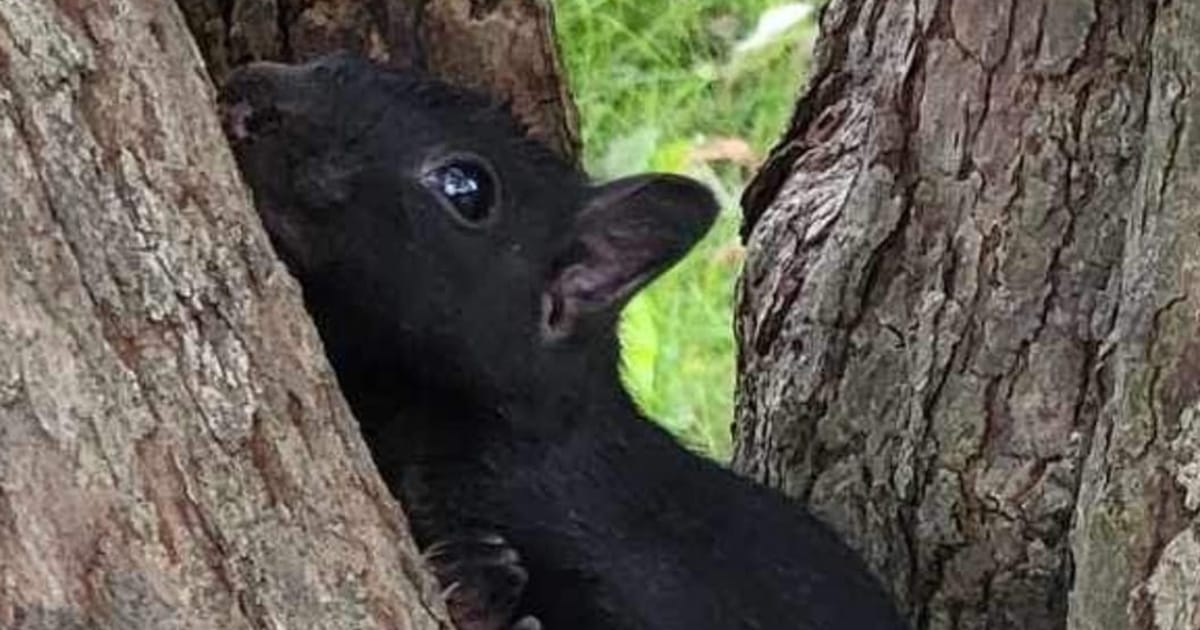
503,47
968,322
173,448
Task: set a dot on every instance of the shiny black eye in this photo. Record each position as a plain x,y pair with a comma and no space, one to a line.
468,187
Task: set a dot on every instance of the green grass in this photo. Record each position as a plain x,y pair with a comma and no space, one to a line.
657,82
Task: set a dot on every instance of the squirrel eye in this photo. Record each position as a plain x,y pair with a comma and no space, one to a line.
467,186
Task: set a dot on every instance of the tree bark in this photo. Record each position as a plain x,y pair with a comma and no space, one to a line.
968,322
174,451
503,47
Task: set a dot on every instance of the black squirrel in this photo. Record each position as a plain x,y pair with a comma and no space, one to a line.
466,283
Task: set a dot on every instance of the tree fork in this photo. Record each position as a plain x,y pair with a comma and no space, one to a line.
502,47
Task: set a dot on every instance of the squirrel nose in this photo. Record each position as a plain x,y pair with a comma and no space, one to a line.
235,120
249,97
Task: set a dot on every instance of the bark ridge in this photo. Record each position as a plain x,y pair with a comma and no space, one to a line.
967,325
174,451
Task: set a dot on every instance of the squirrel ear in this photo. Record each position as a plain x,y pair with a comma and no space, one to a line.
630,231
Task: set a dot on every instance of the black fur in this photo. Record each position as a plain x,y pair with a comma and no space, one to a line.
482,362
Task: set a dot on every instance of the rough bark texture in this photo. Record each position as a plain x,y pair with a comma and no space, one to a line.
503,47
968,322
173,448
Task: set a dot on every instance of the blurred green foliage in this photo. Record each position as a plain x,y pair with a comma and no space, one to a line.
701,87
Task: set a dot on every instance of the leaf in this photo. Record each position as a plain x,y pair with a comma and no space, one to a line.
639,352
629,154
726,149
773,25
